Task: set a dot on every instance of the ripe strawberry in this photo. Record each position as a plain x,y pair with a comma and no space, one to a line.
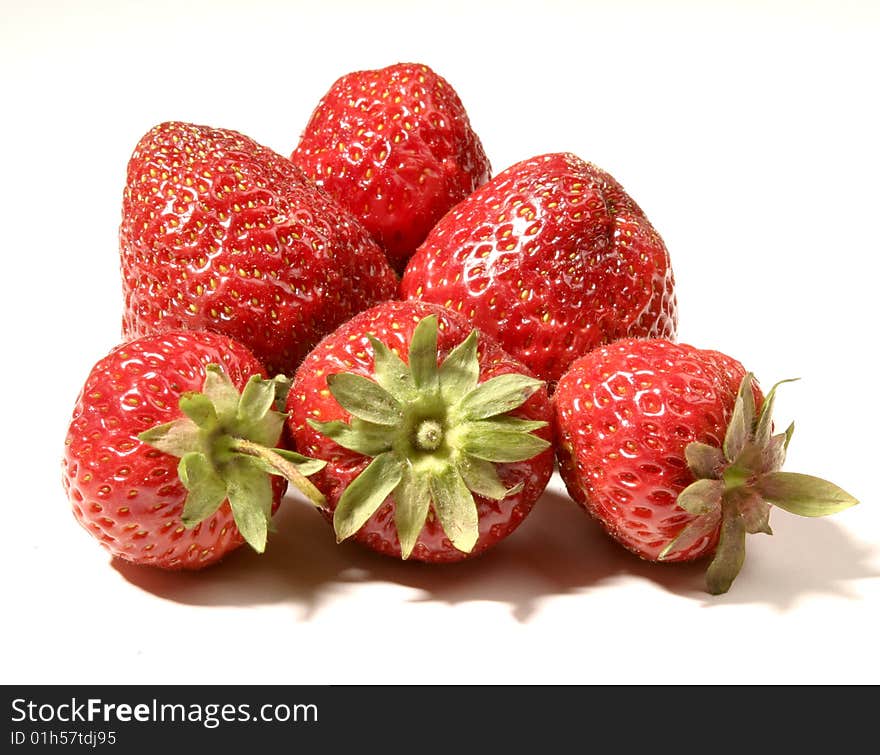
395,146
671,448
219,233
139,410
412,448
553,259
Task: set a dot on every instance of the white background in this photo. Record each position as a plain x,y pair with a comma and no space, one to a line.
748,133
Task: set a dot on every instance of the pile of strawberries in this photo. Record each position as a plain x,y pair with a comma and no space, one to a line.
410,343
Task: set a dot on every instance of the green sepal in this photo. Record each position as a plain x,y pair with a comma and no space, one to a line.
390,371
481,478
249,491
359,436
455,507
282,388
755,513
257,399
788,433
500,446
747,464
206,490
366,493
199,409
803,494
764,424
773,454
741,422
705,461
505,424
364,398
701,496
730,553
221,392
176,438
423,355
701,527
412,500
265,431
498,395
460,371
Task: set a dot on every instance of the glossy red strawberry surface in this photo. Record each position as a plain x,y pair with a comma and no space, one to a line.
349,350
396,147
551,257
219,233
624,415
125,493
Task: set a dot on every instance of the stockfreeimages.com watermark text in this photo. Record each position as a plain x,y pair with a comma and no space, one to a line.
209,715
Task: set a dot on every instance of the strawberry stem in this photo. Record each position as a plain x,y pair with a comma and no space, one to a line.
282,466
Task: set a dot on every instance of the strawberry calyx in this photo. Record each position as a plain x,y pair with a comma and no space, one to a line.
738,483
226,443
434,433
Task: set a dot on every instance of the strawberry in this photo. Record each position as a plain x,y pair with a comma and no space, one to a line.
436,441
173,395
553,259
395,146
219,233
672,449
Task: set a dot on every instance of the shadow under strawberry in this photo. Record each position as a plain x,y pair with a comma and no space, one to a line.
557,551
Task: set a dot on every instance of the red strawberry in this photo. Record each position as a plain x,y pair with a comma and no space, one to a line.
671,448
219,233
395,146
177,395
412,448
552,258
